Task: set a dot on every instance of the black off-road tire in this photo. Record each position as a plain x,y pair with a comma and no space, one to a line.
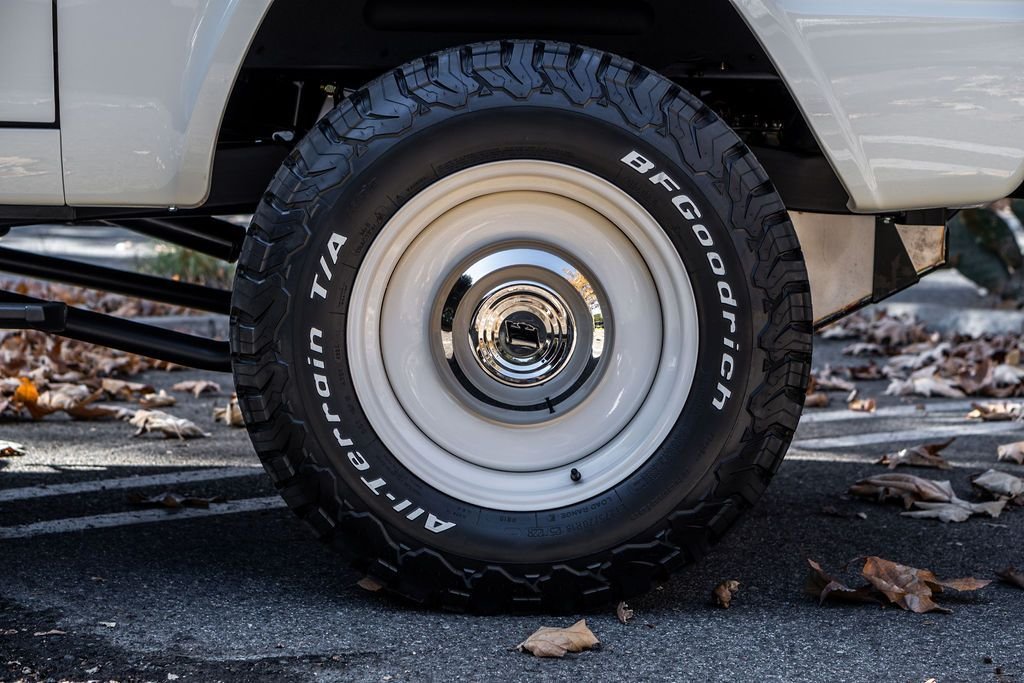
487,102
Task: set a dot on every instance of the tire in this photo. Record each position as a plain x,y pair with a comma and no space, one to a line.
339,346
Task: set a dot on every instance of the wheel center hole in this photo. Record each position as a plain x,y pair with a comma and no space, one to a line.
521,336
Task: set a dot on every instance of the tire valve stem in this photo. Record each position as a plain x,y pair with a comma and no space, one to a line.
575,475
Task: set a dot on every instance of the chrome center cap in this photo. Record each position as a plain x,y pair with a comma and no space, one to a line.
519,333
523,334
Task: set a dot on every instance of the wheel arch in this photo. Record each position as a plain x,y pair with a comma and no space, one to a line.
292,61
143,114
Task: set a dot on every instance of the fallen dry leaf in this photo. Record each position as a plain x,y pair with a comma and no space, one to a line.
724,592
996,412
555,642
921,360
932,385
230,414
871,371
1004,380
826,380
77,400
10,449
818,399
906,487
956,510
864,349
975,378
925,455
160,399
896,330
123,390
824,587
862,405
172,500
907,587
197,387
1011,452
166,424
51,632
26,393
814,398
623,613
932,499
369,583
1001,485
911,588
1012,576
847,328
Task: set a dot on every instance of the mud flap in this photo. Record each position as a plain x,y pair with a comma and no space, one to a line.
856,260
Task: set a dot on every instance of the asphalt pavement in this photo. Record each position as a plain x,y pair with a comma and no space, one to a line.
242,592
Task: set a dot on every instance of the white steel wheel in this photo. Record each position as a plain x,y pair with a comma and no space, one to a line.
527,335
520,325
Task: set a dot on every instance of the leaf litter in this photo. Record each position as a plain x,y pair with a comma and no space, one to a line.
1001,486
813,397
11,449
919,362
197,387
925,455
157,421
724,592
160,399
889,582
1011,452
1003,411
623,613
549,641
923,498
230,414
861,405
43,375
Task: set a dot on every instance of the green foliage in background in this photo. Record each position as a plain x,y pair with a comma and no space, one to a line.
183,264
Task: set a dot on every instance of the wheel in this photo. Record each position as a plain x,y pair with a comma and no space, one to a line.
520,325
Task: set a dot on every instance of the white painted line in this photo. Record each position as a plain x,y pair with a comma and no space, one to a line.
812,416
166,479
63,526
939,431
859,459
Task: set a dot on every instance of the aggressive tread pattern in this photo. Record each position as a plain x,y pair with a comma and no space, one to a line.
387,107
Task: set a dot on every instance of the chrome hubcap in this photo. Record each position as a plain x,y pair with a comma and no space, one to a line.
521,331
522,334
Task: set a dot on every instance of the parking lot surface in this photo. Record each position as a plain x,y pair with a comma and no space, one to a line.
242,592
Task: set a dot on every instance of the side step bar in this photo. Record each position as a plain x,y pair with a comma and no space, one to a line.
25,312
45,316
204,234
112,280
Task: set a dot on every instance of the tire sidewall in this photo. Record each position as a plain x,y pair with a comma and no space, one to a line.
387,172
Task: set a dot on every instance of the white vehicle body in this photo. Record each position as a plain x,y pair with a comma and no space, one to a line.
914,104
